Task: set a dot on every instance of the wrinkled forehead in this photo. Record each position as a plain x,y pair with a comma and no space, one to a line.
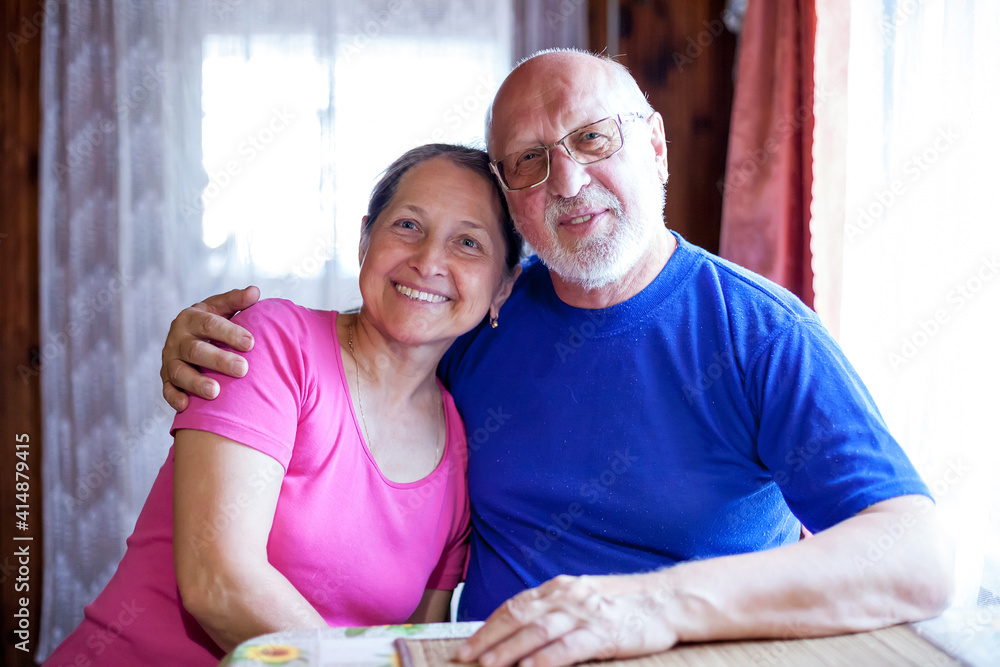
540,104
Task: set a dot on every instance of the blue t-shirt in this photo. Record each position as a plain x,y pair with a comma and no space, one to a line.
705,416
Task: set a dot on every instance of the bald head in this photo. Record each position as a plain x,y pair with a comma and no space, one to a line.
595,223
551,78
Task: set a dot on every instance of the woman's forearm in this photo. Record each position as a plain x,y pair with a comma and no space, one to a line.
234,602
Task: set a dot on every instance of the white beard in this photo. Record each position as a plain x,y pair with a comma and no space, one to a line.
599,261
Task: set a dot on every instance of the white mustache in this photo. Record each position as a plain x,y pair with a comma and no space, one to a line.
593,196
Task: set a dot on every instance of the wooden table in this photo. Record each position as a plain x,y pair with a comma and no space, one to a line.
968,637
899,646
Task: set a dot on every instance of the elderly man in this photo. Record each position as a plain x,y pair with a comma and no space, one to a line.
649,424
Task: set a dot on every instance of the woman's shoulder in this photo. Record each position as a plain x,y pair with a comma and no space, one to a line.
283,315
281,327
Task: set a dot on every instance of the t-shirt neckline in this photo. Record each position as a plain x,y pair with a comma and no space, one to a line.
438,469
628,313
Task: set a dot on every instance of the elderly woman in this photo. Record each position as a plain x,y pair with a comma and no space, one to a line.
329,488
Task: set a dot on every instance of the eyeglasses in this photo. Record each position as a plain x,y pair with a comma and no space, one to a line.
586,145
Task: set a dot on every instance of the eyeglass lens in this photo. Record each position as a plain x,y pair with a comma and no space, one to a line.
588,144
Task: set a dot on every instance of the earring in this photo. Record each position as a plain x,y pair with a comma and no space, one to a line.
493,321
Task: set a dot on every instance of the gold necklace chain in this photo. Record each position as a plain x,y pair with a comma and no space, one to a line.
357,380
361,403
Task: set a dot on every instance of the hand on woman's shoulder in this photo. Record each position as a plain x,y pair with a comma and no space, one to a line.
276,314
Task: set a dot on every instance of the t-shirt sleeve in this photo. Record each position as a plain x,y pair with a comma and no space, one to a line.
820,434
450,570
260,410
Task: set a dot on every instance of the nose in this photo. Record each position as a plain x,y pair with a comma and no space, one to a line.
429,258
566,176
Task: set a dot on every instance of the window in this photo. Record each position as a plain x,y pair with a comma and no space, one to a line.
298,126
193,147
919,240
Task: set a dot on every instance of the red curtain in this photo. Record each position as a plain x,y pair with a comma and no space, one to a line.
767,189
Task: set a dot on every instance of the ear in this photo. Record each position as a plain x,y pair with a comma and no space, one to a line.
363,243
659,142
506,285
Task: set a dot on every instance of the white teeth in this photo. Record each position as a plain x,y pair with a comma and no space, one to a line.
582,218
420,296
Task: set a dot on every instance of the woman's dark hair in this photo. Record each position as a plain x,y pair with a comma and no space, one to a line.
472,159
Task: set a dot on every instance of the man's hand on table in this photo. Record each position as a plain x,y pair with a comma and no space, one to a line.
809,588
571,619
188,345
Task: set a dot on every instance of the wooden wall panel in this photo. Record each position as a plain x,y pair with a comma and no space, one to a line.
20,409
682,56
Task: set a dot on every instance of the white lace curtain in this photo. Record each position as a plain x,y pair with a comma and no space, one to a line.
120,148
906,242
126,202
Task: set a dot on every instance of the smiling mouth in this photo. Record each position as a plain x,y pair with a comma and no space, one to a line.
417,295
580,219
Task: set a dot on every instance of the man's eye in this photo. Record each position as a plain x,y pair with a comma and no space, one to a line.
526,157
591,138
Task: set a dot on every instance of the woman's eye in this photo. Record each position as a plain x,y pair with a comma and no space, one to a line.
407,224
470,243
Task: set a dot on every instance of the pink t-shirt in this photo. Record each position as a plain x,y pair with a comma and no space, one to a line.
361,548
